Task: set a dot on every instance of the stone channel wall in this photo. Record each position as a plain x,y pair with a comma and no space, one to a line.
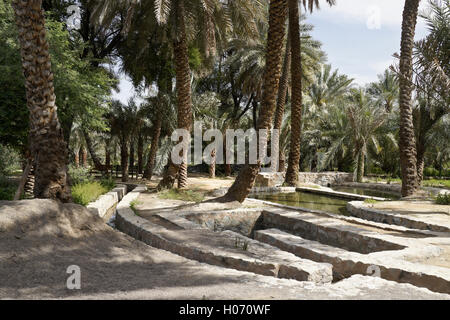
320,178
105,205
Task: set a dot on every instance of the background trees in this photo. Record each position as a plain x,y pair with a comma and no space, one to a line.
229,67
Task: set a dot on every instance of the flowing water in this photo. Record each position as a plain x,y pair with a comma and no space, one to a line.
307,200
368,192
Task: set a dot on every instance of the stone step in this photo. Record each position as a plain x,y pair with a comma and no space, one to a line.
360,210
346,263
327,230
226,249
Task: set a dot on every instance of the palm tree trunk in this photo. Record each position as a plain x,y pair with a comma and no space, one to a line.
124,160
84,157
131,158
154,148
77,157
407,141
90,146
281,103
296,104
46,136
212,166
360,169
183,176
275,40
140,153
183,84
420,160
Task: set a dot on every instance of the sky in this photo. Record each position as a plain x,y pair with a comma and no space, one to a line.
359,37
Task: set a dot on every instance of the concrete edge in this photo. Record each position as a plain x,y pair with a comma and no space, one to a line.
107,202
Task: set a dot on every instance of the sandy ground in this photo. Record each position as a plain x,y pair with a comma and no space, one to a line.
40,239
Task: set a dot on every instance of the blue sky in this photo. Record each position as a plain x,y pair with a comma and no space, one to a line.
359,37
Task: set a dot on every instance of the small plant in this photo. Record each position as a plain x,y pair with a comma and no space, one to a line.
370,201
84,193
241,244
183,195
134,204
108,183
443,199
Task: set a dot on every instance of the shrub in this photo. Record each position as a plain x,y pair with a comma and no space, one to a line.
430,172
7,189
79,175
443,199
108,183
85,193
9,160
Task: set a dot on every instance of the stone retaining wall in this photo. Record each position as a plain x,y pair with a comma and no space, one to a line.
360,210
320,178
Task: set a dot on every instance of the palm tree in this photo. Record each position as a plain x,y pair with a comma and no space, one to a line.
407,140
46,137
365,117
432,78
386,90
276,33
123,121
296,73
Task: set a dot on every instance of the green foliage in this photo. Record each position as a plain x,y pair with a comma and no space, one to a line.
108,182
436,183
9,160
85,193
7,188
184,195
81,90
443,199
370,201
79,175
133,205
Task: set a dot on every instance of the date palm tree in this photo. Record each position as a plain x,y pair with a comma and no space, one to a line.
275,41
46,136
407,140
296,74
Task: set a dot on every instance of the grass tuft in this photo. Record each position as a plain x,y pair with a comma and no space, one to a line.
85,193
183,195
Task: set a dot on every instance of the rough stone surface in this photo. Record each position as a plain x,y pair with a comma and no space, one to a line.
414,221
320,178
346,263
227,249
326,230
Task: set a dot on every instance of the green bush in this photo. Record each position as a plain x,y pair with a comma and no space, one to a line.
9,160
7,189
85,193
108,183
443,199
79,175
430,172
